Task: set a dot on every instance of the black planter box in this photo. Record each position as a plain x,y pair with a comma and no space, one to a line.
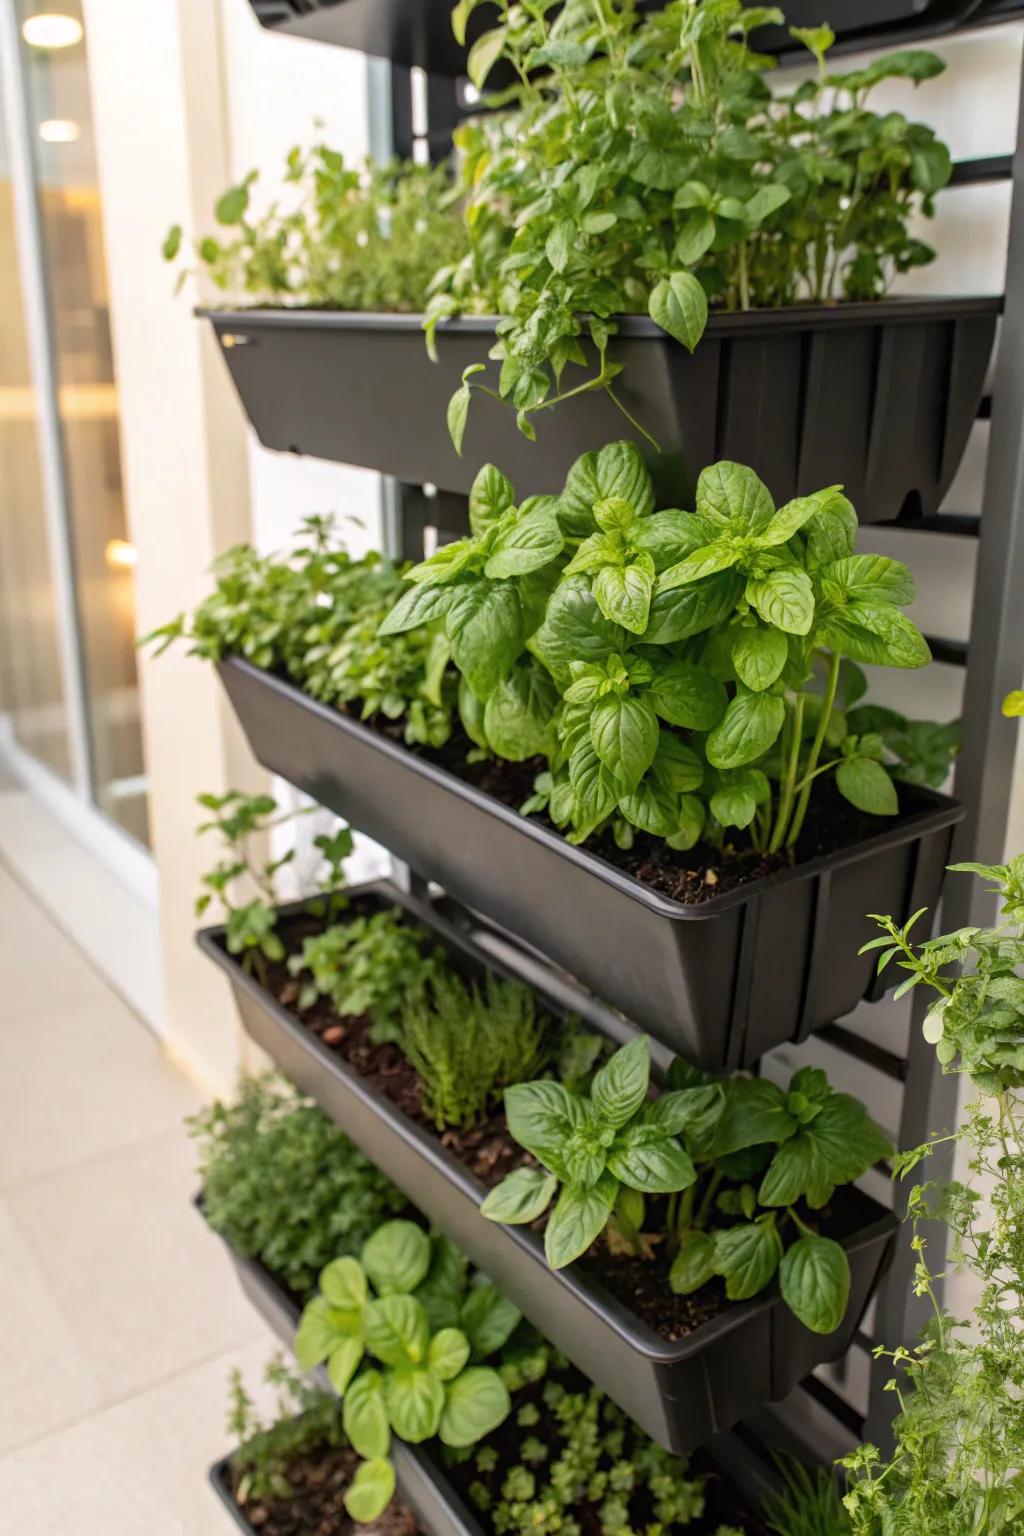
420,1484
680,1393
879,397
721,982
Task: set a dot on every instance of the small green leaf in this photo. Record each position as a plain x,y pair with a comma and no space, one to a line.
560,244
694,1264
754,1112
321,1329
620,1087
484,54
415,1400
695,237
475,1404
343,1284
687,695
578,1219
449,1352
749,729
532,541
520,1197
231,206
172,243
490,496
485,625
458,412
541,1117
397,1331
365,1416
679,305
623,593
396,1258
371,1490
732,496
624,732
784,598
343,1362
747,1257
487,1318
867,785
815,1281
647,1158
759,656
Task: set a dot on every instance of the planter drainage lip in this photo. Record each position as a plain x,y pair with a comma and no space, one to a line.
586,1292
793,317
942,812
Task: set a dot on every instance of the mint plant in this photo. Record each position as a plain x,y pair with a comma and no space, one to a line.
640,163
390,1307
959,1434
747,1166
691,672
357,236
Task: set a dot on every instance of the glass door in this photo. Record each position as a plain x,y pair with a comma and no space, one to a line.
57,225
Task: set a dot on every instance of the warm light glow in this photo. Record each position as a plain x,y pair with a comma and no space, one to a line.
120,555
52,29
59,130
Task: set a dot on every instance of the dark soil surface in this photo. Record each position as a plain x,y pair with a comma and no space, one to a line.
319,1482
489,1153
701,873
720,1507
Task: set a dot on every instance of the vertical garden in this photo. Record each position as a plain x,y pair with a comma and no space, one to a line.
536,1219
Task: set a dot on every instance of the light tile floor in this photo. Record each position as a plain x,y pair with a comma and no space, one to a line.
119,1314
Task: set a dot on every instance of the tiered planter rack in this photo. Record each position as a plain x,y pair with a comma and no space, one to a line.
353,772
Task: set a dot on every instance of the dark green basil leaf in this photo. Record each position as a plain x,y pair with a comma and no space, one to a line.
485,626
686,695
686,611
750,729
620,1087
532,541
623,593
618,469
759,656
578,1220
747,1257
783,598
815,1281
624,732
647,1158
541,1117
754,1112
490,497
475,1403
732,496
521,1197
694,1264
574,629
867,785
519,713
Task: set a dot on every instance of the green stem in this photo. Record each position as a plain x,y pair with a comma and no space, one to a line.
795,725
827,705
704,1209
632,419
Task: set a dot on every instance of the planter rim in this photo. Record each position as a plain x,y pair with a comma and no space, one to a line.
585,1291
942,812
794,317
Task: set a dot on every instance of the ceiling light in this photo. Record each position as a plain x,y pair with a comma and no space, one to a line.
52,29
59,130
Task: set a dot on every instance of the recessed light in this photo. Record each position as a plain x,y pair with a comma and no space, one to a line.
52,29
59,130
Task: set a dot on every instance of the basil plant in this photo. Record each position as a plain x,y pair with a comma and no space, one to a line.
688,674
747,1167
402,1334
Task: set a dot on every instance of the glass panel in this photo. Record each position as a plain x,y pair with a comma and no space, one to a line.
31,682
57,86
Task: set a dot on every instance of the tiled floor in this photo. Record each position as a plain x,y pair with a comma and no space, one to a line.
119,1315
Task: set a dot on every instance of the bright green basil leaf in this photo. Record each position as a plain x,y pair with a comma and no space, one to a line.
457,416
578,1220
677,1110
585,1153
692,819
614,514
867,785
669,537
694,1264
872,579
784,598
686,611
484,54
541,1117
686,695
490,497
876,634
747,1257
485,626
754,1112
471,713
695,237
445,564
560,242
343,1284
766,200
396,1258
647,1158
365,1416
441,1292
652,807
832,533
618,469
623,593
677,766
680,306
792,517
750,728
420,605
532,541
574,629
594,788
594,554
620,1087
448,1353
517,720
415,1401
709,561
815,1281
624,732
733,497
343,1362
520,1197
475,1403
371,1490
488,1319
837,1146
397,1331
733,806
321,1329
759,656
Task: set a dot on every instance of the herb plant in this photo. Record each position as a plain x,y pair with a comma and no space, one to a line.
959,1432
282,1184
691,671
747,1166
314,615
643,164
389,1306
239,820
359,237
808,1504
372,964
468,1044
579,1464
308,1420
